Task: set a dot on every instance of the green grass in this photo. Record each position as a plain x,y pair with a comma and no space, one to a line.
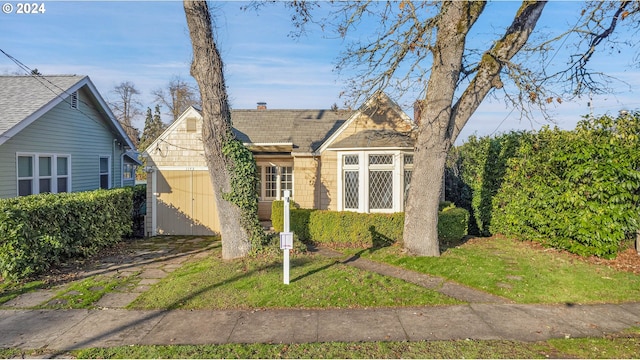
9,290
84,294
315,282
516,271
621,346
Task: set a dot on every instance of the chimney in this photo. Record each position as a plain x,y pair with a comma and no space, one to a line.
262,106
417,111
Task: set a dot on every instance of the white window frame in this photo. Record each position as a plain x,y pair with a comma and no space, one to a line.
35,178
100,174
364,169
128,169
262,165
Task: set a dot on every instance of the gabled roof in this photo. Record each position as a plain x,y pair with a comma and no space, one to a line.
306,130
375,139
371,105
24,99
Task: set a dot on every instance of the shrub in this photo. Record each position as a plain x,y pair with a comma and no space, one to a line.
453,223
39,230
574,190
350,229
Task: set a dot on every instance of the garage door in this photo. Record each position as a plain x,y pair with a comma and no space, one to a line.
185,203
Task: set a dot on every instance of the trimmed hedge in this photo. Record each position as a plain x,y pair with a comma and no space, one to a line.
345,229
39,230
574,190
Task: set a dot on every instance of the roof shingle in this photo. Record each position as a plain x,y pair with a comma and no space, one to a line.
21,96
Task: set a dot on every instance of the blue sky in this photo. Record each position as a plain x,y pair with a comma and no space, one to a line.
147,43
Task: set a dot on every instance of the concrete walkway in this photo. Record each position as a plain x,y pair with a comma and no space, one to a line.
485,317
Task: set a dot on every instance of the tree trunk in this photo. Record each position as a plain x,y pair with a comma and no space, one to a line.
442,120
421,211
207,70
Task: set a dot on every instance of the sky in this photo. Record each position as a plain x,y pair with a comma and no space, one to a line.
147,43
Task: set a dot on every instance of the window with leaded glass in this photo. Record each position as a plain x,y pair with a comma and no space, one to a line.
408,170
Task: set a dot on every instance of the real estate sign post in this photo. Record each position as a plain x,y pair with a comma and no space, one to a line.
286,238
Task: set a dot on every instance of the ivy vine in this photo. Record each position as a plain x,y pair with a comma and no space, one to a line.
242,167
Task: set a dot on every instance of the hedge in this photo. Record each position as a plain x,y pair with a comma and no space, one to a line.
575,190
345,229
40,230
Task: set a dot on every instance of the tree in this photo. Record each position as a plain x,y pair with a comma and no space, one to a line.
153,127
126,108
425,47
231,165
178,97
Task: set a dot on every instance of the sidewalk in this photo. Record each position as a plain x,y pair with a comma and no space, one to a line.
74,329
485,317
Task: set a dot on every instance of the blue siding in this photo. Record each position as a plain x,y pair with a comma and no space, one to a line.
83,133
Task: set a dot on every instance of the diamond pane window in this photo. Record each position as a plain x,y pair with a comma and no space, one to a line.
380,189
351,190
408,159
380,159
351,159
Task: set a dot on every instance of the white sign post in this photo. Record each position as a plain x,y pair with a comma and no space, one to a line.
286,238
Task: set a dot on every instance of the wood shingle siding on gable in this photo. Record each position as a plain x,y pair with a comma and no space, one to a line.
83,134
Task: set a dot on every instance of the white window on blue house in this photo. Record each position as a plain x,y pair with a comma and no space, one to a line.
105,172
373,181
43,173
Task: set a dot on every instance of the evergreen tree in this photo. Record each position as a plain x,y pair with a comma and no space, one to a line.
153,127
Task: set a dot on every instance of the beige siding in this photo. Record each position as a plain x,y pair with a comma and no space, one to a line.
383,118
306,186
329,185
179,146
185,203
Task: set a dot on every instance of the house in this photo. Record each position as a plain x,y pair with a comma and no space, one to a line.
57,134
336,160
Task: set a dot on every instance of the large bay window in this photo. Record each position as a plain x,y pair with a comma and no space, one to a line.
373,181
273,180
43,173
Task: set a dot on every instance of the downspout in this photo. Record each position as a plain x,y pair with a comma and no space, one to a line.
113,162
122,169
154,201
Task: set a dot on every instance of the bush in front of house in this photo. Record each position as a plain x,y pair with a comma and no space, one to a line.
40,230
346,229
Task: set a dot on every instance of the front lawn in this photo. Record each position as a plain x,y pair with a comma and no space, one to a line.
521,272
315,282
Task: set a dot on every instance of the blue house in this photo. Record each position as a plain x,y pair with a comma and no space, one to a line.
57,134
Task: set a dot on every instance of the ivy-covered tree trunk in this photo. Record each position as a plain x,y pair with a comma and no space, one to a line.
226,160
